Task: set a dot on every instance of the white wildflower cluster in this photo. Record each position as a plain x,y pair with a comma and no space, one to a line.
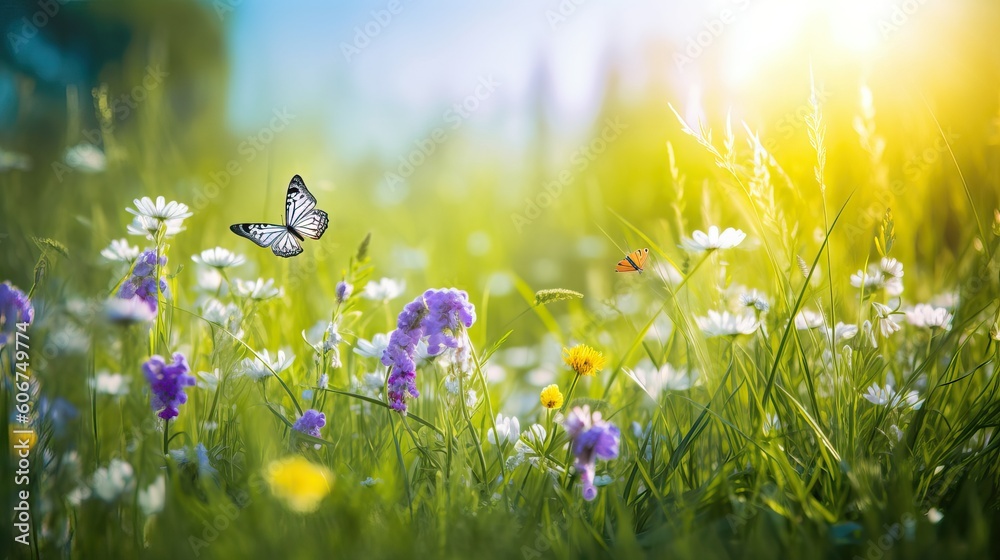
261,367
887,275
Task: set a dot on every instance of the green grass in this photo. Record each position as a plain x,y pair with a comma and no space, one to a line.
774,452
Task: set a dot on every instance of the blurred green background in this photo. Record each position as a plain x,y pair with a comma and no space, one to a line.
170,93
490,147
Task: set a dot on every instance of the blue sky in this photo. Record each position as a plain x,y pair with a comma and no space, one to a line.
430,55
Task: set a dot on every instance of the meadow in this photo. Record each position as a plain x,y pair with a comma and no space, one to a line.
805,367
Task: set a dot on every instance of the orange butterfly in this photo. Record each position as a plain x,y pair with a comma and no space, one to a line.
633,262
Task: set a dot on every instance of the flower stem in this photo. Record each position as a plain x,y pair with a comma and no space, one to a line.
472,429
550,439
489,407
402,464
166,436
569,452
572,388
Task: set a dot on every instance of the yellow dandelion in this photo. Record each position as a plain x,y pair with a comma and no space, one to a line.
583,359
300,484
551,397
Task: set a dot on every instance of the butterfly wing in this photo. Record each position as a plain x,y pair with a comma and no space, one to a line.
286,245
302,219
301,213
312,224
640,258
262,234
624,266
278,238
633,262
299,202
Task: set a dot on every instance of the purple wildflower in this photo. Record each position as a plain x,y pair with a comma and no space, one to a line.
438,315
167,382
343,291
591,437
448,311
15,307
142,283
401,353
310,422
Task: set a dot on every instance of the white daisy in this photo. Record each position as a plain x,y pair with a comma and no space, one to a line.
807,319
871,281
929,317
726,324
887,396
151,499
148,227
209,380
128,311
531,438
120,251
259,290
219,258
884,319
373,381
68,338
384,290
911,398
327,336
754,299
210,280
114,384
508,429
893,286
85,157
891,267
655,380
701,241
78,495
880,396
228,315
374,348
159,210
841,332
258,368
112,481
254,368
887,275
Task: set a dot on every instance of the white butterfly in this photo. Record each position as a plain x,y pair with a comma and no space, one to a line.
302,220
